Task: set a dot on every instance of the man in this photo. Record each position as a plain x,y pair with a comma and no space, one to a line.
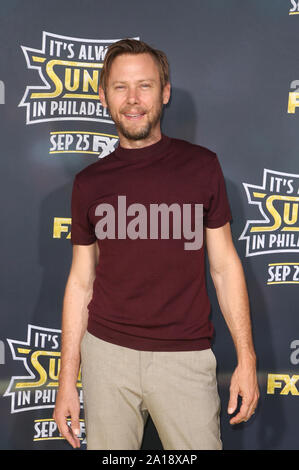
135,305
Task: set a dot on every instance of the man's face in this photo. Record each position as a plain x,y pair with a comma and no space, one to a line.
134,96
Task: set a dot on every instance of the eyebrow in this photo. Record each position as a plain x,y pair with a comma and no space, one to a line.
142,80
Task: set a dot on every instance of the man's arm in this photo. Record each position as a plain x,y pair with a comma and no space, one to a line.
78,293
229,281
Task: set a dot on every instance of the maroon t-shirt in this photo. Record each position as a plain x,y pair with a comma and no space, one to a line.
149,293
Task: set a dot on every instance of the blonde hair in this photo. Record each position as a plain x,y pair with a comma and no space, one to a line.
134,46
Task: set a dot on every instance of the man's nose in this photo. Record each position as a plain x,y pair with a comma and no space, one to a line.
132,96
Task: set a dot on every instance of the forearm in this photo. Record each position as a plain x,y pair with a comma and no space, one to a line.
229,280
74,324
233,300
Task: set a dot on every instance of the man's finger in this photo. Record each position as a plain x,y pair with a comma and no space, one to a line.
74,437
247,409
66,432
75,425
253,406
243,413
233,401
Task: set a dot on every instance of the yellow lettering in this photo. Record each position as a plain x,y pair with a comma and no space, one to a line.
274,382
76,79
53,373
88,80
293,101
290,386
92,81
54,78
58,226
286,213
54,369
39,368
276,216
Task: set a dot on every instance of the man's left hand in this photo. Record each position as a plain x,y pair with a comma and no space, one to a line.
243,383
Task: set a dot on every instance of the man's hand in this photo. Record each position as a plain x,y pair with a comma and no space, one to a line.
243,383
68,405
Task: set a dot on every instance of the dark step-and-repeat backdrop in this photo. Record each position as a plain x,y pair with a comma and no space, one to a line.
235,89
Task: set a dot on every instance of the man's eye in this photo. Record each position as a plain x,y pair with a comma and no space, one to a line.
145,85
119,87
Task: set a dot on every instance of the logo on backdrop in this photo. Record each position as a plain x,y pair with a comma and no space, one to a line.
285,383
69,70
36,386
82,142
276,230
294,10
293,101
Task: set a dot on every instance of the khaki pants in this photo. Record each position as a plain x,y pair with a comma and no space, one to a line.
121,386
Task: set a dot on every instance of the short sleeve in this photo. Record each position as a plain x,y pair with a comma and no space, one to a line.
219,212
82,231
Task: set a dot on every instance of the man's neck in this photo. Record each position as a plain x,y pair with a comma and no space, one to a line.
136,144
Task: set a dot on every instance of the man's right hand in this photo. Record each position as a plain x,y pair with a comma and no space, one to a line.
68,405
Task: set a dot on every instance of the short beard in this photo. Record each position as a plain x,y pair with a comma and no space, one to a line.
139,134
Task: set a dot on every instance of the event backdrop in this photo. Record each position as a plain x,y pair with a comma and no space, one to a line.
235,89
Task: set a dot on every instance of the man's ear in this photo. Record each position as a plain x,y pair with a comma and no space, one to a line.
166,93
102,97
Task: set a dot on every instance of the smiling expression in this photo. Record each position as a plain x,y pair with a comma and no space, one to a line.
135,98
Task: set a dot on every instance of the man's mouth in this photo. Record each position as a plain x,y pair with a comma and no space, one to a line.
134,116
